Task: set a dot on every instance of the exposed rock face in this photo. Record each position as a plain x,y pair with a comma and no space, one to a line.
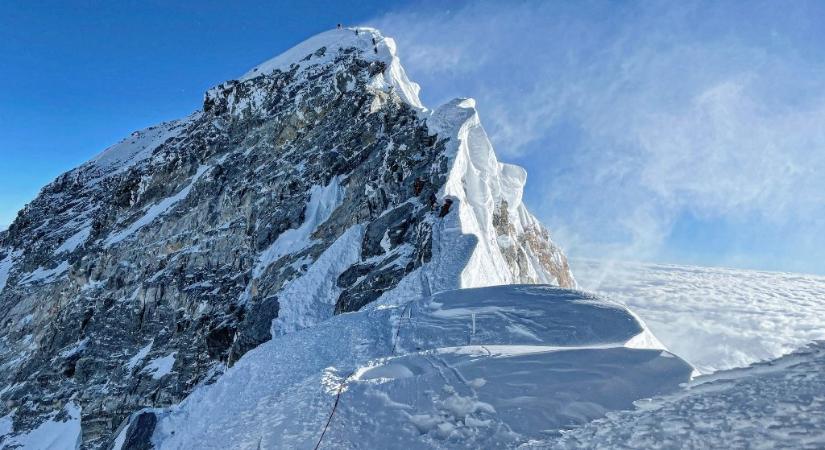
314,185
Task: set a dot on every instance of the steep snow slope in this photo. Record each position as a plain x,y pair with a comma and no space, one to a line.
137,147
715,318
484,367
780,404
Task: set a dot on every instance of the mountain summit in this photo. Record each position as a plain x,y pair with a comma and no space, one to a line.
314,185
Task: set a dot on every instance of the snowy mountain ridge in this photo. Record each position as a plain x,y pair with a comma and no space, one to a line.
313,186
372,45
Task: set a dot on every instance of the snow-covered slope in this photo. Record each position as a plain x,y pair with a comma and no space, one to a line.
472,368
60,431
715,318
780,404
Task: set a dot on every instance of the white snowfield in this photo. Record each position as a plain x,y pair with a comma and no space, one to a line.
715,318
417,375
780,404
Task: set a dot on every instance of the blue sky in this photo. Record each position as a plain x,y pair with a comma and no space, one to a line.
685,132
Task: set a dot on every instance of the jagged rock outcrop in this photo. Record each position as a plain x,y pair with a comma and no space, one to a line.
315,184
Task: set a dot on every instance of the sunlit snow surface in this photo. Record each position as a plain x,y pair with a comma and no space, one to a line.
541,359
715,318
780,404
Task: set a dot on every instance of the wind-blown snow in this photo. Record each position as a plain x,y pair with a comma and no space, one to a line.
59,432
715,318
447,386
154,211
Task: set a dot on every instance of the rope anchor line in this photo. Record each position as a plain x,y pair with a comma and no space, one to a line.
344,382
334,407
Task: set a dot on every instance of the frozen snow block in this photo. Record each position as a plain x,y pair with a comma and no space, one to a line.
516,314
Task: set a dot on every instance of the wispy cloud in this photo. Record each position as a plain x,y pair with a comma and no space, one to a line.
635,114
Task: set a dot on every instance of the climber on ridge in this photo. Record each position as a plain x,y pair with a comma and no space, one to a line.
445,208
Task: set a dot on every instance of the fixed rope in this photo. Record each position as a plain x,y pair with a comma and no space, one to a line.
334,407
344,382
